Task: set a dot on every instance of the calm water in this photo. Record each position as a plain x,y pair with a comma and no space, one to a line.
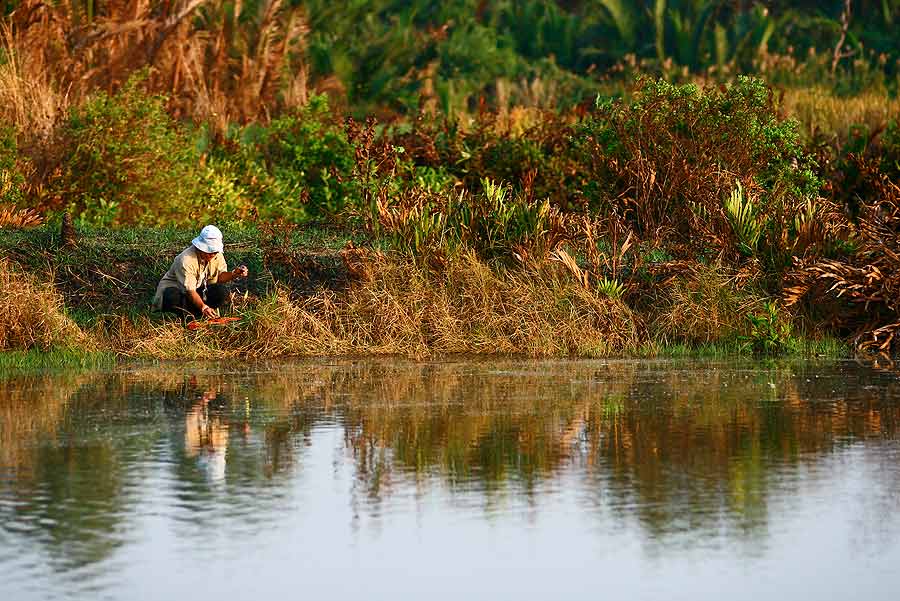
452,480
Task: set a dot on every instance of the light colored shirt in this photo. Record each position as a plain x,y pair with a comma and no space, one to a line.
188,272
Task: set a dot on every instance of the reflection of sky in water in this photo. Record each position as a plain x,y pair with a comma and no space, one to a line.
478,480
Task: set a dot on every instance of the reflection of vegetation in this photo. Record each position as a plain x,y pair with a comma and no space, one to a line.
670,443
73,483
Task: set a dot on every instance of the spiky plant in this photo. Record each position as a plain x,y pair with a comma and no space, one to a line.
14,217
610,287
746,222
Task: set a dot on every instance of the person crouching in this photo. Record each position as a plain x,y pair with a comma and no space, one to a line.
195,283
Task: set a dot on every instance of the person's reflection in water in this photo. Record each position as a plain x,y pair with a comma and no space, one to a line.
206,437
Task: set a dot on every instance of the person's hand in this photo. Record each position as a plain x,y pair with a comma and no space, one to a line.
209,312
240,272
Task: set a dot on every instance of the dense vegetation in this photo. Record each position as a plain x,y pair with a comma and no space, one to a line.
530,177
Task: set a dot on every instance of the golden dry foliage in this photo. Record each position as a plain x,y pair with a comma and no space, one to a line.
407,310
28,97
32,316
821,111
704,304
214,63
13,217
859,293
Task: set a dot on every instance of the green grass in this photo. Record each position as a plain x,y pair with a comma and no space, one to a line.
17,362
829,348
115,271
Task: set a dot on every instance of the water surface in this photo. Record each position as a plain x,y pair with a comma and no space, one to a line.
388,479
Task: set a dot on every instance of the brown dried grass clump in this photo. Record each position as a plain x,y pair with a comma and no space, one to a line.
471,308
216,61
28,97
14,217
32,315
858,293
404,309
705,304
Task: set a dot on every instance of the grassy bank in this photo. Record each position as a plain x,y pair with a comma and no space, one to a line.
34,360
316,292
664,208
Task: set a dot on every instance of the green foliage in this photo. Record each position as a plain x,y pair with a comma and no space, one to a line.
17,363
391,53
770,332
494,222
128,161
499,224
610,287
673,148
298,167
748,225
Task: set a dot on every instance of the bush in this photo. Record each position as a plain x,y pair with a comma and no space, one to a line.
128,161
771,332
298,167
670,156
495,223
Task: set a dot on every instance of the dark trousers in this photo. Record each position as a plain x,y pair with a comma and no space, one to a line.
176,301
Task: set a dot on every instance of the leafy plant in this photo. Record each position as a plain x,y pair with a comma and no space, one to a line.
610,287
770,333
671,153
127,161
493,222
298,167
747,224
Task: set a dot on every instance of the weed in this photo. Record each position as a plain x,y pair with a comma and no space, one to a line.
747,224
32,315
770,333
610,288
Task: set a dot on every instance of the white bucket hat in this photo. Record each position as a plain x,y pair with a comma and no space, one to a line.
209,240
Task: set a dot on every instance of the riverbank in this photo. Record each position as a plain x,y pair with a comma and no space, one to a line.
326,291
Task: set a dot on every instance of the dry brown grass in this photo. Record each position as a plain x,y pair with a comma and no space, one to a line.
32,316
820,111
28,97
858,293
13,217
706,304
407,310
215,64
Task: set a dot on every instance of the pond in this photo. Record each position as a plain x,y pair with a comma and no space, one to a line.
458,479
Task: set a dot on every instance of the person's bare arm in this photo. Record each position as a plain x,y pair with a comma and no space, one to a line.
198,302
236,273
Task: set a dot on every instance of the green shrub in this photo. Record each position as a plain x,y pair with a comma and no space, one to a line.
127,161
298,167
770,331
494,222
674,149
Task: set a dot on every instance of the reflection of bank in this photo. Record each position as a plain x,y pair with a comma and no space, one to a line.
206,437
